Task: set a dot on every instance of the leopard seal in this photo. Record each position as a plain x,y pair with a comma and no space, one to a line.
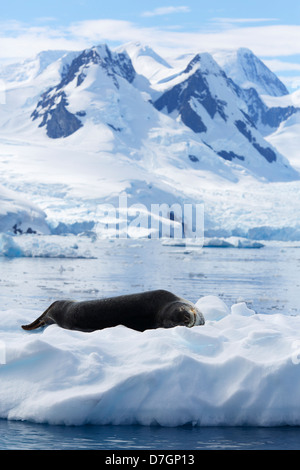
141,311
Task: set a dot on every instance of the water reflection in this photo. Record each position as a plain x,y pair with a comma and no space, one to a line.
23,435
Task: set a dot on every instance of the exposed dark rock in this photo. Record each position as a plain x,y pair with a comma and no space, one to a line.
242,127
57,119
117,129
266,152
261,114
230,155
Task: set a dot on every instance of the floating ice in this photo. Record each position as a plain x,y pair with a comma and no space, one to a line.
9,248
239,369
35,246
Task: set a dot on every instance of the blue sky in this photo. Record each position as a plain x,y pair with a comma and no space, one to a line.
271,28
193,13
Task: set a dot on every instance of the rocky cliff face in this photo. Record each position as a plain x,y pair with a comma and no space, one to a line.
52,108
266,119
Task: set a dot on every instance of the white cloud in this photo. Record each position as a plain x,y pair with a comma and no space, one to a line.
19,40
293,83
266,40
166,11
231,21
277,65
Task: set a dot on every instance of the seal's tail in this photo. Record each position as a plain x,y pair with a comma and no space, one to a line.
39,322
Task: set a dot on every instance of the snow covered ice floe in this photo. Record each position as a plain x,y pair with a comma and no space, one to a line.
241,368
73,246
215,242
52,246
232,242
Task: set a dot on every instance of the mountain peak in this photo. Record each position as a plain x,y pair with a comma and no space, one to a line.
205,62
53,104
137,49
115,64
244,50
248,71
146,61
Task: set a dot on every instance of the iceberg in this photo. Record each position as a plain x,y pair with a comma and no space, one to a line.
241,368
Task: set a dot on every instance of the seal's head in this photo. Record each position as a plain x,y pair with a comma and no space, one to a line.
180,313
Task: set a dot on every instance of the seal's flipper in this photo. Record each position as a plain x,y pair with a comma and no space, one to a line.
39,322
34,325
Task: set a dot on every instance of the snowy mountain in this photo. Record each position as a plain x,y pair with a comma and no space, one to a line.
266,119
146,61
201,97
286,137
205,100
248,71
52,106
81,128
240,66
29,69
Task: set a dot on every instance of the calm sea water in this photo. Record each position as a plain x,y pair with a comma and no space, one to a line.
267,279
29,436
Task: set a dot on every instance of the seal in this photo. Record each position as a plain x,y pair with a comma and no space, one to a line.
142,311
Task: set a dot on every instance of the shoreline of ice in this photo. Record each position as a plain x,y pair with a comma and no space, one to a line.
87,245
